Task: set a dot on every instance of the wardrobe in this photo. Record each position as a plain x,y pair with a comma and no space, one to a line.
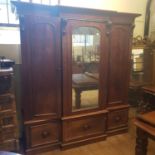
75,74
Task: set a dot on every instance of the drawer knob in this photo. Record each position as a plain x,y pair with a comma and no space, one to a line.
118,118
86,127
45,134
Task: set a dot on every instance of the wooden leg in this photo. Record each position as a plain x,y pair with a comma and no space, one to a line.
141,142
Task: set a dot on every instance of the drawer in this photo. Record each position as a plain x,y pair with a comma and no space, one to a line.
8,118
117,118
83,127
7,102
44,134
10,145
8,133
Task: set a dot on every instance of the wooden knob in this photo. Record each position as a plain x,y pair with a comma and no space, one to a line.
45,134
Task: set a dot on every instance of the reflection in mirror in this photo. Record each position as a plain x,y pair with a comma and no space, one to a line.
85,67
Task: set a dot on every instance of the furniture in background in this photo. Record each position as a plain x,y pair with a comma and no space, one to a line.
143,51
9,133
142,68
145,124
148,99
83,82
51,41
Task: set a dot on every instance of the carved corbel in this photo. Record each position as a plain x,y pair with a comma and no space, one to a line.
108,27
63,26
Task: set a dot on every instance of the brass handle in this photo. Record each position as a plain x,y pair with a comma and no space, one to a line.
45,134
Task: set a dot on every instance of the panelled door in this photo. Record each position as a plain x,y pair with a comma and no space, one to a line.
85,59
41,67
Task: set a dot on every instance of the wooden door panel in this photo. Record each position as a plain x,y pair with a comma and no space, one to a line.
44,68
119,64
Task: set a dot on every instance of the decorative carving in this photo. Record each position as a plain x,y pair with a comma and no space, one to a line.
108,26
22,27
132,28
63,23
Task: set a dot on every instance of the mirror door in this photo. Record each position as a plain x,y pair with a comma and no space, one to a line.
84,66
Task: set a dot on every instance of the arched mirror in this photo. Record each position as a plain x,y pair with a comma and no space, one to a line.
85,67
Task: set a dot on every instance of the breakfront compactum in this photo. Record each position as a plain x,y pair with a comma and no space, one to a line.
75,74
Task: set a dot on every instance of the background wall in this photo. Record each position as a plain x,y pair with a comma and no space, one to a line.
11,51
10,43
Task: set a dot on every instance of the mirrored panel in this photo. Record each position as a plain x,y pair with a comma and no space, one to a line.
85,67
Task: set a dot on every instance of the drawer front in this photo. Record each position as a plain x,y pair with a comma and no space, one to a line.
7,102
8,133
117,118
83,127
8,119
44,134
10,145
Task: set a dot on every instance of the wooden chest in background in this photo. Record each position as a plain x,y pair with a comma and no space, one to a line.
9,133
